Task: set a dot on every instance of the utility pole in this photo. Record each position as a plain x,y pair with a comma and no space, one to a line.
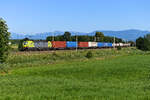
53,38
95,38
114,42
76,42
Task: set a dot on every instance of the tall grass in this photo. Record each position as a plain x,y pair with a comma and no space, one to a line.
118,78
29,59
69,75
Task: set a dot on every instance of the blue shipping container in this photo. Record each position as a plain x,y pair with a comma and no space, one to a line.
105,44
100,44
110,45
71,44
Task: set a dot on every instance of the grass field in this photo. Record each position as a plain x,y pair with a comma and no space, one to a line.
109,75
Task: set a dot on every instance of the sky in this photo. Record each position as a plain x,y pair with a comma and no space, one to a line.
35,16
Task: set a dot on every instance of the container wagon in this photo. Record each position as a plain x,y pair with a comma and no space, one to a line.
92,44
83,44
71,44
59,44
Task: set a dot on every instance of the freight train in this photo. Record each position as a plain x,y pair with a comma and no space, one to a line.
55,45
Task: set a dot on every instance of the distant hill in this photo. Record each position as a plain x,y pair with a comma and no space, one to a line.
131,34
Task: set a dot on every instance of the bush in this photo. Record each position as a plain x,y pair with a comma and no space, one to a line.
89,54
143,43
4,68
54,56
119,48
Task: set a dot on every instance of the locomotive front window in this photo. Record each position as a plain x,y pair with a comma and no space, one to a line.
25,43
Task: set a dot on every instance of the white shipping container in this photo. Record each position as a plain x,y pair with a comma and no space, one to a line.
117,44
121,44
93,44
124,45
127,45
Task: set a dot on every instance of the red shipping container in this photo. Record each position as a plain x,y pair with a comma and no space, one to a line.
83,44
59,44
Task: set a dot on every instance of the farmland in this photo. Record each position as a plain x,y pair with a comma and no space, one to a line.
69,75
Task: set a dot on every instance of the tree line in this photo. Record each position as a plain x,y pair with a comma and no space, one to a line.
99,37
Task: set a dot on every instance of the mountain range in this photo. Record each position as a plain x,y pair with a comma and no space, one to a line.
131,34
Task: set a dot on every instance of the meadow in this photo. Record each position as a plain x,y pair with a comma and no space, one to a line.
69,75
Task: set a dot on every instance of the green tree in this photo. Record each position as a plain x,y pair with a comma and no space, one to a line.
132,43
67,36
4,41
147,37
139,43
85,38
147,42
99,36
143,43
49,38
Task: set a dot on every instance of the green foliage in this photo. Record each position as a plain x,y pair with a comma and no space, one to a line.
99,36
14,42
4,68
84,38
115,78
67,36
119,48
139,43
132,43
20,45
70,71
4,41
143,43
39,58
54,56
147,37
89,54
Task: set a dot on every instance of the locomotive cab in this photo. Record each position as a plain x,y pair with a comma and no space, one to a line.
28,44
